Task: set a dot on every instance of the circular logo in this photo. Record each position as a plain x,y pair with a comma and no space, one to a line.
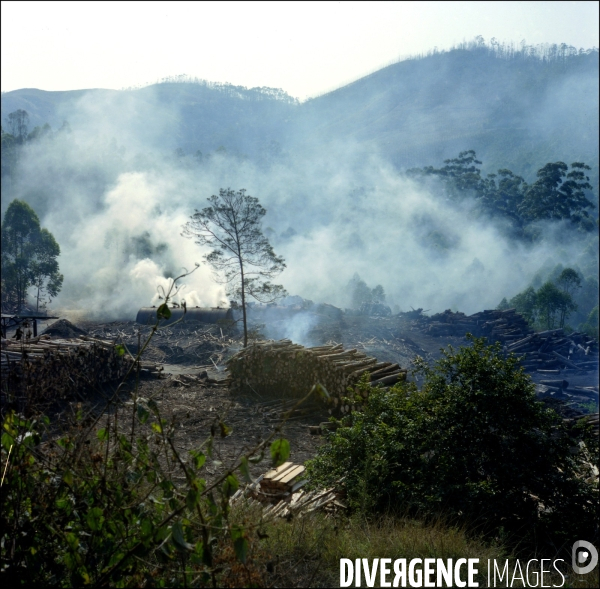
581,552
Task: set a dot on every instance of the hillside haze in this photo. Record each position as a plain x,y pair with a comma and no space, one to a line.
116,184
514,112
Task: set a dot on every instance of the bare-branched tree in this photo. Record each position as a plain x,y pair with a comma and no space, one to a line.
241,255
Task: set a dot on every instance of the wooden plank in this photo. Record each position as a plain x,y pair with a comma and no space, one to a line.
277,471
289,475
297,485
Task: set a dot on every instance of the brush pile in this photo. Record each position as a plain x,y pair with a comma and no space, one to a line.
196,343
44,369
283,369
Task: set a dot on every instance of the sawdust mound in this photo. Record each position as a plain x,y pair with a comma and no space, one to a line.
64,328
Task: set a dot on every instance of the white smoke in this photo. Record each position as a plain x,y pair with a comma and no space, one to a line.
117,209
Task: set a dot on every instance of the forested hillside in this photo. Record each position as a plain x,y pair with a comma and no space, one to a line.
516,108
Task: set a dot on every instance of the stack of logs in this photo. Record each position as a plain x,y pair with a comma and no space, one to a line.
549,352
544,351
282,368
502,326
50,369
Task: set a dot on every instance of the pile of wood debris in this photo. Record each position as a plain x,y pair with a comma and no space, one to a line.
280,493
188,342
287,370
502,326
549,351
553,352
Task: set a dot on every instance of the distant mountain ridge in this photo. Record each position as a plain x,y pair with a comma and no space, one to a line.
516,113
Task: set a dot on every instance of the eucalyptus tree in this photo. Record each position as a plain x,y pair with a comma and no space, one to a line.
29,256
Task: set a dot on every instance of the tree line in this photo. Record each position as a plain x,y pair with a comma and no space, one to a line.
561,192
17,134
550,306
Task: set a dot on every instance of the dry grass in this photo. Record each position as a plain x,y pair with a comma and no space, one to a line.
306,552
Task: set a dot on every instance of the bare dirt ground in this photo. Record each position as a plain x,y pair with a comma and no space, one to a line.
191,350
194,356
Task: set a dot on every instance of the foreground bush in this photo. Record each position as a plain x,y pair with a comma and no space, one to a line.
102,507
473,443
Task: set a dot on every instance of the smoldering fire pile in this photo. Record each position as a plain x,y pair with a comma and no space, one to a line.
281,368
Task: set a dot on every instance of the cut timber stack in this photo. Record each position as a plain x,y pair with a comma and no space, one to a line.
279,483
550,352
501,326
51,369
280,493
283,369
497,326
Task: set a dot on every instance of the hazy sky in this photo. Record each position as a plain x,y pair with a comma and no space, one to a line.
304,48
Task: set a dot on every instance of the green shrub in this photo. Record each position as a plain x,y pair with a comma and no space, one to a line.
474,443
113,502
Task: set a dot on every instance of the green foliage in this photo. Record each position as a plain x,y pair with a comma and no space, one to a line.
378,294
29,256
473,442
107,509
591,325
526,304
112,501
280,451
569,281
8,155
462,174
107,512
553,305
557,194
503,305
17,124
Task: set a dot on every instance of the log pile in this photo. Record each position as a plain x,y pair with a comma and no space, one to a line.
502,326
552,352
283,369
547,351
280,493
45,369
